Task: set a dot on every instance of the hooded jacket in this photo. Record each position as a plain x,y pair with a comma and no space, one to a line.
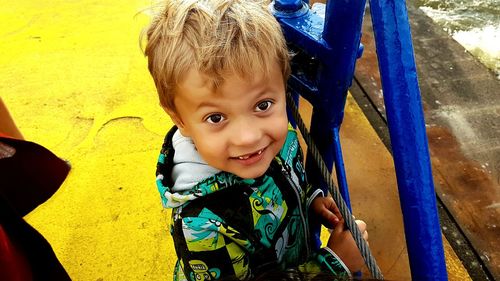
224,226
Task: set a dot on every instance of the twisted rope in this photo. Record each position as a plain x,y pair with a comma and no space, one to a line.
327,177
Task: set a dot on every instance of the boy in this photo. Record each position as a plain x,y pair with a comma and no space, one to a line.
231,169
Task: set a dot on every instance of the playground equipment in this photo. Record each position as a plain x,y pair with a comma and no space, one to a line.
326,49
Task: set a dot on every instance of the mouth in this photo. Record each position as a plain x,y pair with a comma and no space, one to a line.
248,156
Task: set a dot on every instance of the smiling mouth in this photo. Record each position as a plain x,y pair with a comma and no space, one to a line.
245,157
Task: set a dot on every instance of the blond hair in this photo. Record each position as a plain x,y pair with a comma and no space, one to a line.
214,37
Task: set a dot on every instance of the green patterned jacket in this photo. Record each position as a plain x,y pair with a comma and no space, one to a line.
229,227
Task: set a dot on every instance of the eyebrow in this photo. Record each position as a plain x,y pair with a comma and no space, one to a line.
206,104
259,95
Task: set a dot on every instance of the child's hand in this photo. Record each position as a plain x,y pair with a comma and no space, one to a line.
342,243
325,211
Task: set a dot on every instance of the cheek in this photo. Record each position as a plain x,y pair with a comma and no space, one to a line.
208,147
279,129
283,125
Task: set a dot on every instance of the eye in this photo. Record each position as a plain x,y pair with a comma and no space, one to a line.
263,105
214,118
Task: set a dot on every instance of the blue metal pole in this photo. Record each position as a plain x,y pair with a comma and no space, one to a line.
408,139
340,169
335,42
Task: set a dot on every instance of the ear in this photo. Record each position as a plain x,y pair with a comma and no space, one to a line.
177,121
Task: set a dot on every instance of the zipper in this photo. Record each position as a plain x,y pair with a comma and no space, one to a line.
304,221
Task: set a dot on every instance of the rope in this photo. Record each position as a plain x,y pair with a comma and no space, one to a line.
344,211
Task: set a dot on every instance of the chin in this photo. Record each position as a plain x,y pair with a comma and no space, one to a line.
251,175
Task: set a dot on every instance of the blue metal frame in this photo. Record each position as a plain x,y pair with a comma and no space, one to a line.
333,42
336,48
405,118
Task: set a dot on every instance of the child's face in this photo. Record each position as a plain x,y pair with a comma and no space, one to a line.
240,126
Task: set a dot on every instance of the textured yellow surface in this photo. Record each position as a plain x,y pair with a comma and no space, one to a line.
75,80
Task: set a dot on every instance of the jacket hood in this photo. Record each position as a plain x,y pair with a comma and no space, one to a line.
164,182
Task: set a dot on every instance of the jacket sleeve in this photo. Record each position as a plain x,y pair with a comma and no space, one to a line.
208,249
326,261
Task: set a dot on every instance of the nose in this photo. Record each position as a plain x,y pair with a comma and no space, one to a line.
247,132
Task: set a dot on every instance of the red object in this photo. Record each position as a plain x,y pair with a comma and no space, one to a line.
29,175
13,264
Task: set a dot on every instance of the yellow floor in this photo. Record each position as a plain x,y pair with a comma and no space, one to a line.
75,80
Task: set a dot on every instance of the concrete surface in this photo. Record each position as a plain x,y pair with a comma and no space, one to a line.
76,82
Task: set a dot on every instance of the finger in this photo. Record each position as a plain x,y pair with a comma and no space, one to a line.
332,216
340,227
361,225
335,216
331,220
333,207
365,235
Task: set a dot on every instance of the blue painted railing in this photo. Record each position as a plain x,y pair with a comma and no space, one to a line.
327,44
